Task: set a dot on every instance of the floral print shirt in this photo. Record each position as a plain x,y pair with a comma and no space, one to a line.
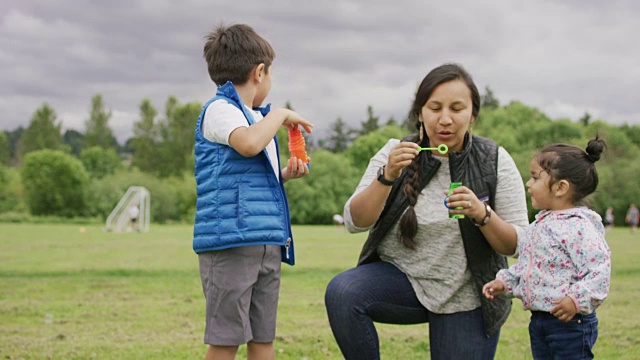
564,253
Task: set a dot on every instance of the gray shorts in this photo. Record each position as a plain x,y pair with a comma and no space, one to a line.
241,286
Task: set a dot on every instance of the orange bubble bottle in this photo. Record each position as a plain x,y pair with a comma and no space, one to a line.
297,145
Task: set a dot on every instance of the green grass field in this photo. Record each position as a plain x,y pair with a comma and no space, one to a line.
68,292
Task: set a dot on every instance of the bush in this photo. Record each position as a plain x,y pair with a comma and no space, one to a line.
366,146
55,183
100,162
23,217
172,199
11,191
315,198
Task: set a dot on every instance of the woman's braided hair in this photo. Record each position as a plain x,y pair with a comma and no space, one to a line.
442,74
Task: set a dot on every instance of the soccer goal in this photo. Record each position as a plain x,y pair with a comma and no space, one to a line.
132,212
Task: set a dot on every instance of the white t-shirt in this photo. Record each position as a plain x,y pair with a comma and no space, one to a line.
221,118
134,212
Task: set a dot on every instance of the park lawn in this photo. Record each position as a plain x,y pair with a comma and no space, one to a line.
75,292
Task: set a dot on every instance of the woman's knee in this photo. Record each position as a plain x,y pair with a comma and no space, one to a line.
341,290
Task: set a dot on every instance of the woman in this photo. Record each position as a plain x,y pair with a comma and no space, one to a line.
419,265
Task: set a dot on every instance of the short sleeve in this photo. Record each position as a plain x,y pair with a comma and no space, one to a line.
511,201
220,119
378,160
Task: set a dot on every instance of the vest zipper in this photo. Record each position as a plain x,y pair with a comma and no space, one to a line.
286,247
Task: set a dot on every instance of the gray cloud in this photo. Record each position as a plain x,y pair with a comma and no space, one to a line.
334,58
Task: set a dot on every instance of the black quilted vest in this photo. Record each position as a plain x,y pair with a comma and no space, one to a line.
476,168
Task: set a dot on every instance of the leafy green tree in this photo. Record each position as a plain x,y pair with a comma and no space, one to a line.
177,137
559,131
100,162
74,140
5,153
371,124
127,148
620,146
15,144
170,105
585,119
633,132
340,137
409,124
43,132
513,121
314,199
5,196
364,147
488,100
55,183
145,141
11,190
98,132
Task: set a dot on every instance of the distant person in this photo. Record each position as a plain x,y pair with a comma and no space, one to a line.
134,213
633,217
242,230
609,219
418,264
338,220
564,269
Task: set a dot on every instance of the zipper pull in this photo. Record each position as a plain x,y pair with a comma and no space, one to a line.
286,247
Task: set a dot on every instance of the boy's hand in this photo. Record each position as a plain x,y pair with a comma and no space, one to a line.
295,169
493,288
293,119
565,309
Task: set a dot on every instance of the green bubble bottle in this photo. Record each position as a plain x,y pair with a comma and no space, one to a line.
452,186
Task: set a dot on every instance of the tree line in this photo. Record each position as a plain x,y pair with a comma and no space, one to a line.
45,172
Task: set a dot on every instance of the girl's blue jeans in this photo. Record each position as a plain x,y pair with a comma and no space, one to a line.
379,292
552,339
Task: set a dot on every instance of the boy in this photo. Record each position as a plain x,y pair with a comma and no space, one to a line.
242,230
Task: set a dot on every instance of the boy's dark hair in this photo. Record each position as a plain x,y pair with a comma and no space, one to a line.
440,75
233,51
569,162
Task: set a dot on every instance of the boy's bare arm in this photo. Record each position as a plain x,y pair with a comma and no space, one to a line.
249,141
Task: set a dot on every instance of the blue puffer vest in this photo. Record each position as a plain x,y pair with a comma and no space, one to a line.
240,200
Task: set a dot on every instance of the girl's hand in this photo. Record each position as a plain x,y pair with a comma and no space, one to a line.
400,157
462,197
565,309
295,169
493,288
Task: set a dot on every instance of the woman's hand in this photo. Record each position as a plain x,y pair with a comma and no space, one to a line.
400,157
462,197
501,235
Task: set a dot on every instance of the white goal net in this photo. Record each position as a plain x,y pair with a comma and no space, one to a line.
132,212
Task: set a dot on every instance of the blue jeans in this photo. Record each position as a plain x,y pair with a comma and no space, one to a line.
553,339
380,292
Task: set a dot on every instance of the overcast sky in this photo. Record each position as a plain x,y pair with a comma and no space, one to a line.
333,57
